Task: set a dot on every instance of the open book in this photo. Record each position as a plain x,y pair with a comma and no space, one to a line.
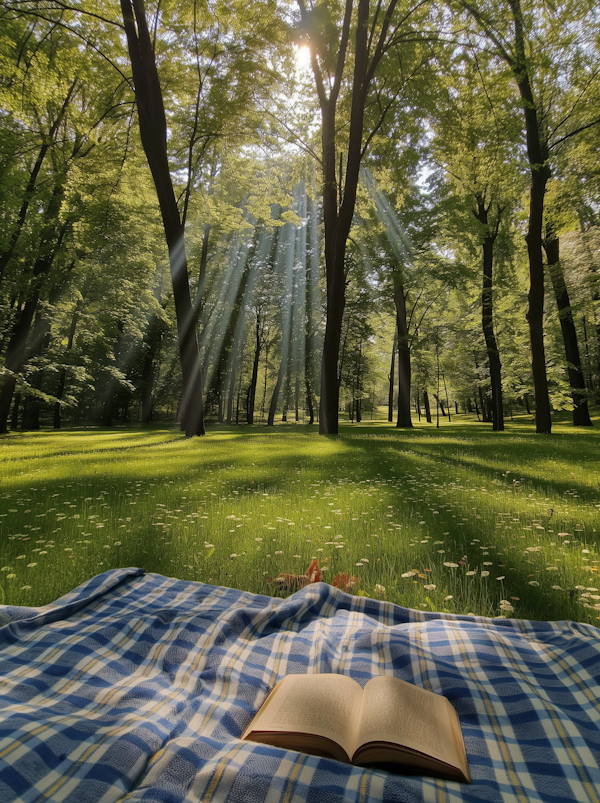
390,722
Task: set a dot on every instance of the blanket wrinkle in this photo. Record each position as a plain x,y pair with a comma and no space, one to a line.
136,687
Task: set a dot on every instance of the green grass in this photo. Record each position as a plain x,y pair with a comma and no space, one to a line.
455,519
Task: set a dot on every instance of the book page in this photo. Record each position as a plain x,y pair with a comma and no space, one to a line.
325,705
399,712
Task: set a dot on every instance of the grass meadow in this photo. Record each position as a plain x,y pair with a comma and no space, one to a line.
456,519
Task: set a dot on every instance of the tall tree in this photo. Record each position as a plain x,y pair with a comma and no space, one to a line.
490,233
66,125
581,413
533,38
248,71
153,131
349,45
474,143
400,244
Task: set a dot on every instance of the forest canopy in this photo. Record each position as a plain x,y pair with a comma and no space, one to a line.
291,210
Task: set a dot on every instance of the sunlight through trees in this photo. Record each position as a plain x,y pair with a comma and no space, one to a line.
298,211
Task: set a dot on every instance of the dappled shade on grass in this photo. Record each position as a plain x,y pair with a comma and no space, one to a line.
458,519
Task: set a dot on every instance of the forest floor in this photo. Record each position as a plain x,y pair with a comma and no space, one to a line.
456,519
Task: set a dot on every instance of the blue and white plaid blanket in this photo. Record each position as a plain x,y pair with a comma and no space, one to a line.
137,687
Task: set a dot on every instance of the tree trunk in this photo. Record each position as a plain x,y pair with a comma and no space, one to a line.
590,379
243,299
309,404
202,272
151,347
359,386
446,395
40,343
15,353
238,397
153,133
339,196
535,313
335,251
286,402
147,380
404,370
109,403
276,391
63,373
330,380
62,381
479,390
15,350
220,413
32,412
14,421
581,413
40,340
264,398
537,155
484,408
255,365
536,132
231,394
392,379
487,313
427,407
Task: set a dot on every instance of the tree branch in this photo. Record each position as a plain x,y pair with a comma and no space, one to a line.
32,8
574,133
339,68
488,30
320,85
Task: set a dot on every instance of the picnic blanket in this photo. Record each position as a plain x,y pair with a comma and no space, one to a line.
137,687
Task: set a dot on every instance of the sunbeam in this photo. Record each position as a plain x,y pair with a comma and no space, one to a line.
213,333
396,235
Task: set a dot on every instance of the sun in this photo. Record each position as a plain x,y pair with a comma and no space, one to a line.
303,57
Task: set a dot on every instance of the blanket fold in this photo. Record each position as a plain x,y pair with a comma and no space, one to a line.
137,687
